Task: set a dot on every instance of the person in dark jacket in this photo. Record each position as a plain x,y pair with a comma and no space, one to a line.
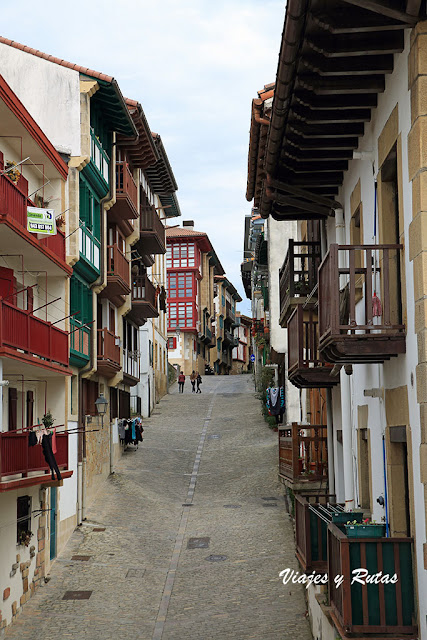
199,382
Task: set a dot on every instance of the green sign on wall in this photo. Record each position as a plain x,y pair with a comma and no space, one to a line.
41,221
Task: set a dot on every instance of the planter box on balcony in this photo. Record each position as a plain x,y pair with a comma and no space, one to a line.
365,530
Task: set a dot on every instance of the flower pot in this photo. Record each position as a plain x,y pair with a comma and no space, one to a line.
365,530
346,516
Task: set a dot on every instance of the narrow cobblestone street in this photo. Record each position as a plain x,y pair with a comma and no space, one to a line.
214,453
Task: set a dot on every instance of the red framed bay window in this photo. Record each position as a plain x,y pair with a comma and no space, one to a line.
181,285
182,254
182,315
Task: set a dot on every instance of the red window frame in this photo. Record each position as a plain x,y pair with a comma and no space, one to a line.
182,282
182,313
171,343
182,255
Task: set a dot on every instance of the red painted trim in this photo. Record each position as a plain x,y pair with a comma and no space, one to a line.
29,237
32,481
15,105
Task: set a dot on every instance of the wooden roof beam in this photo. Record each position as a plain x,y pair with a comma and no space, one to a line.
302,166
302,193
295,203
327,117
328,130
328,144
353,66
342,85
335,102
413,7
356,44
383,7
351,21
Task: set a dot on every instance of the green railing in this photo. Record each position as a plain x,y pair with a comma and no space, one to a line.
98,156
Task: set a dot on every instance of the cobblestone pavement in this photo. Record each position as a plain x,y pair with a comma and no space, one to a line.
214,452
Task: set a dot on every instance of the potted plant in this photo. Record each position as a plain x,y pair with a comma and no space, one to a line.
364,529
12,171
25,537
48,420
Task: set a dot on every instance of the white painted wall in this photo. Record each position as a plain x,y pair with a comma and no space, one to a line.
49,92
397,371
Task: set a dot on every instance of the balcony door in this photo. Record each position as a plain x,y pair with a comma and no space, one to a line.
390,231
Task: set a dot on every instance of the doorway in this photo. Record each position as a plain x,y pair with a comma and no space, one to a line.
53,507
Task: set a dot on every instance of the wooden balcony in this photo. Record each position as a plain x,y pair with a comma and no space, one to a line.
130,367
108,353
118,276
126,205
144,303
152,232
352,326
25,337
24,466
13,212
303,456
298,277
311,531
306,367
374,609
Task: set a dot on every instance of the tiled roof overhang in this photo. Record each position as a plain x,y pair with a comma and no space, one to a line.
171,205
257,141
160,175
142,151
333,61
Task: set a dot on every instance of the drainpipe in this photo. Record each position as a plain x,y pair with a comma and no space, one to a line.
346,413
329,413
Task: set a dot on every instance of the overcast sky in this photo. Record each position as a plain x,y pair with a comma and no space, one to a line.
195,66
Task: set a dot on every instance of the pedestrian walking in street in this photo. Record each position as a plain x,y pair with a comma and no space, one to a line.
193,379
199,382
181,381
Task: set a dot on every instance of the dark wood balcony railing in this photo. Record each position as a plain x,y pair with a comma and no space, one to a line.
144,302
118,265
374,608
303,454
311,531
33,336
374,331
297,276
125,209
108,352
17,458
306,366
13,206
152,231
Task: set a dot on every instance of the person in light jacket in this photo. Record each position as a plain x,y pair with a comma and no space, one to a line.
193,379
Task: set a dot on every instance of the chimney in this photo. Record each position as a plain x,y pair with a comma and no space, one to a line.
188,224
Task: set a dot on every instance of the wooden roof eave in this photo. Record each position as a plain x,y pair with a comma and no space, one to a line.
325,89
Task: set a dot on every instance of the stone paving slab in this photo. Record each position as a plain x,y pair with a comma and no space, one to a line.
146,584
